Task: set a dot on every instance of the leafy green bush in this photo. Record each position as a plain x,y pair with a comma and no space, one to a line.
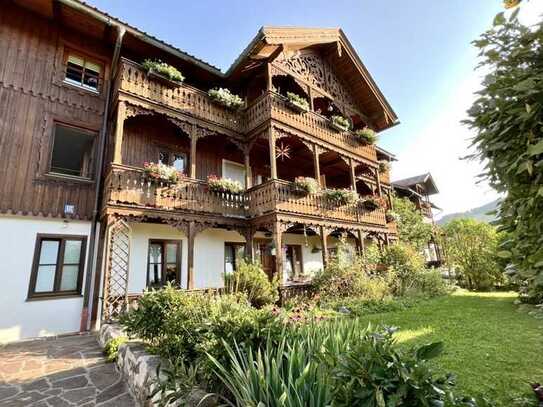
163,69
357,307
404,263
251,280
366,135
111,349
431,283
339,363
180,324
340,196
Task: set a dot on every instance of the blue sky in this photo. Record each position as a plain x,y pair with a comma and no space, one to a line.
418,52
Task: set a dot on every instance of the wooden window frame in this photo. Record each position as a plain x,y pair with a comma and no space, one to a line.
92,156
242,244
294,247
164,242
56,293
86,58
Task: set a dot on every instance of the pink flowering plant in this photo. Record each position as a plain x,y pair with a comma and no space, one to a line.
161,172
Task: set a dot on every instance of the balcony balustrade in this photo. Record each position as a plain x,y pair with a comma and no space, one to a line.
130,186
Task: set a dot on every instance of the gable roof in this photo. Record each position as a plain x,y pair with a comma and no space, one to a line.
423,179
270,40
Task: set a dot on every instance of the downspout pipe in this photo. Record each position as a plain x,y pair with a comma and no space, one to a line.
93,253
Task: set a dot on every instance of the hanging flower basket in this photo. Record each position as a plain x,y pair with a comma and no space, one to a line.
306,185
340,123
161,172
224,185
366,135
340,197
297,103
163,72
224,97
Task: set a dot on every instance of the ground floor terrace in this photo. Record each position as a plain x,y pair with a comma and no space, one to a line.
146,251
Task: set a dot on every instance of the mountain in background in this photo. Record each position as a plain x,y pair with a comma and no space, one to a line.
480,213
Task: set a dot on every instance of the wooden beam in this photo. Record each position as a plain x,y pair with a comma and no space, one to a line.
324,245
277,241
316,163
193,143
190,255
353,176
248,175
119,130
273,163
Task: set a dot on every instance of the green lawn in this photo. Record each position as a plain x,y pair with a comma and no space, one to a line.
493,346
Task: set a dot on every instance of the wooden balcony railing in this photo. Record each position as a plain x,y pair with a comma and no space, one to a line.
129,186
385,177
135,81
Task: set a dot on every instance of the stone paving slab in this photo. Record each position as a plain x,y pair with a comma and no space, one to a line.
67,371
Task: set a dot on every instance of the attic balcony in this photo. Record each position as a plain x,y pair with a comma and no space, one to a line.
134,82
128,187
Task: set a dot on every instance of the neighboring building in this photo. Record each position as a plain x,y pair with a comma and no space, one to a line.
418,190
84,229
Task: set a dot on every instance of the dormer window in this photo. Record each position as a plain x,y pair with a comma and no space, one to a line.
83,72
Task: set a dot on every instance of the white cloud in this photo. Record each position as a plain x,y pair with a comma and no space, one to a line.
438,147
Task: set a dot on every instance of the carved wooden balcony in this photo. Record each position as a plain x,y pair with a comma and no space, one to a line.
134,81
128,186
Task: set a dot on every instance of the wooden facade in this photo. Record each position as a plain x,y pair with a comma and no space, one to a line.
147,115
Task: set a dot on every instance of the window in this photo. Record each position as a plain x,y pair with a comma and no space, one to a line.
233,253
58,266
233,171
164,263
83,72
292,261
177,160
73,151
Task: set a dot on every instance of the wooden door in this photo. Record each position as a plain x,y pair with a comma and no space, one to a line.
267,260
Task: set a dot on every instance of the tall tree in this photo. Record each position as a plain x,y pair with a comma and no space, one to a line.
507,117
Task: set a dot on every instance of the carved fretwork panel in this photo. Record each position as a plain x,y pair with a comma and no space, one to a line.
316,71
116,273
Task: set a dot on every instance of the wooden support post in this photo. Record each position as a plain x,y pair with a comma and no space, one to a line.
191,232
324,245
193,142
379,191
277,241
361,243
249,244
248,175
119,130
353,174
269,85
273,163
316,163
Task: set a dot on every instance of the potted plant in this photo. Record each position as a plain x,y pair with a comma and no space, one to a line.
341,197
297,103
163,72
340,123
306,185
384,166
371,203
366,135
391,216
161,172
224,97
227,185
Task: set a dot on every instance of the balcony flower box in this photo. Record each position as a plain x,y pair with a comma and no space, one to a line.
224,185
297,103
384,166
372,203
162,72
340,197
225,98
340,123
306,185
366,135
161,173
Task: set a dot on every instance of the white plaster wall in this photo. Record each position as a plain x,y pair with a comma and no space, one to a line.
19,318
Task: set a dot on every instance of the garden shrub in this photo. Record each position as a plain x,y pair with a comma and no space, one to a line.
111,350
250,279
179,324
431,283
339,363
404,264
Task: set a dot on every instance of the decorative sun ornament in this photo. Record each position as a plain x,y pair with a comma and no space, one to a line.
282,151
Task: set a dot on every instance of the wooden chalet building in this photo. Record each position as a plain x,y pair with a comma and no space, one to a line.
84,229
418,190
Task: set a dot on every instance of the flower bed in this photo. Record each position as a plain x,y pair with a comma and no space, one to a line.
340,123
341,196
161,172
162,69
297,102
366,135
224,97
306,185
227,185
